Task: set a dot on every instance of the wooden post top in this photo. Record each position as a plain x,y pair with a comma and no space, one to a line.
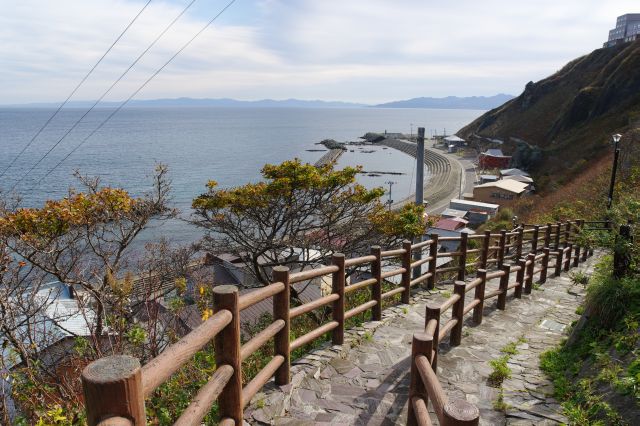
462,413
338,256
422,337
280,268
111,369
225,289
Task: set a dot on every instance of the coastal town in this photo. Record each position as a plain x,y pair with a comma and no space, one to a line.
501,288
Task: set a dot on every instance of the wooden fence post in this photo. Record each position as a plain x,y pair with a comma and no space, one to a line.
520,278
567,233
504,283
281,302
529,281
567,263
486,243
576,259
519,246
433,312
338,304
457,312
463,257
545,264
406,276
376,288
559,260
433,253
547,235
227,351
479,295
556,244
422,344
459,412
112,387
534,241
502,249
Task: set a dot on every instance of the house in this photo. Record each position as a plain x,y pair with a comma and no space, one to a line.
453,142
488,178
475,212
502,192
513,172
523,179
476,206
451,213
450,224
493,159
449,246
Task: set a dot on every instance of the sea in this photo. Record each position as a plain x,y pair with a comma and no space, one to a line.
198,144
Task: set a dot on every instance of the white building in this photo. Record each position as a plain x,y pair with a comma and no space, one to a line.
627,29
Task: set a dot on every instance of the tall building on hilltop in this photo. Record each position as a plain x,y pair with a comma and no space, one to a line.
627,29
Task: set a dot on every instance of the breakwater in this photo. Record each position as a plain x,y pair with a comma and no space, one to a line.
330,156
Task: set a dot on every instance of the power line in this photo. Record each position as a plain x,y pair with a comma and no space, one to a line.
73,92
104,94
136,92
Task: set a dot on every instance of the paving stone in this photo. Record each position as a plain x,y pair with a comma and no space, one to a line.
366,381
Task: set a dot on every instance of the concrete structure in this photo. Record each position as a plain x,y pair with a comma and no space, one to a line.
493,159
627,29
503,192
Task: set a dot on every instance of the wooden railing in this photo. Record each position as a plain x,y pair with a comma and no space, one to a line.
424,385
115,387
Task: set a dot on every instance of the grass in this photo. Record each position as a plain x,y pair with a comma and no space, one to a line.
602,364
500,371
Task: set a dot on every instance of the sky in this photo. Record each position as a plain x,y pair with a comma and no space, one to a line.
367,51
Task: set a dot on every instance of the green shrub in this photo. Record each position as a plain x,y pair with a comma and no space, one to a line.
500,371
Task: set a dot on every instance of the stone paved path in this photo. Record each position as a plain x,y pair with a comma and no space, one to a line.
365,381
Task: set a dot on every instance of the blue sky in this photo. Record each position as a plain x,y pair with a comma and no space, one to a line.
357,50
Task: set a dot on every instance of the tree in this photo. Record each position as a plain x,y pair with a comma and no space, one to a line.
298,216
83,239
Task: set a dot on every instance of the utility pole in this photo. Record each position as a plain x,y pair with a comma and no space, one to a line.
616,143
390,183
417,255
411,134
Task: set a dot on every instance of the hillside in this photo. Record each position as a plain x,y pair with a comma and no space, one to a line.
570,115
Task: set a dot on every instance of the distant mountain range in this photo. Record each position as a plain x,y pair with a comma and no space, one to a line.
450,102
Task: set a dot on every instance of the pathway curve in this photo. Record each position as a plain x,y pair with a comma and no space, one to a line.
365,381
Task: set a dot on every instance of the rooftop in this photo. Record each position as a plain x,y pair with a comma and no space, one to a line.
507,185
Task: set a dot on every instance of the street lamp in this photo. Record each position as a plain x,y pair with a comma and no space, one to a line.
616,140
390,183
411,135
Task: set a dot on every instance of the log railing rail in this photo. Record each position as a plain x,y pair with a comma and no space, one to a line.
424,385
115,387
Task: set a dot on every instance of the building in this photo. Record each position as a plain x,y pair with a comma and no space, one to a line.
502,192
512,172
488,178
493,159
627,29
475,212
453,142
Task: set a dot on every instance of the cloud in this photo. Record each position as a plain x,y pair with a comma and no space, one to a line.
358,50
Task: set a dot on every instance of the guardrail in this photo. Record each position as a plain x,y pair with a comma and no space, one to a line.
115,387
424,385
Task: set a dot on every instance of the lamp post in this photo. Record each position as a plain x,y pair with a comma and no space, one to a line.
390,183
616,140
411,134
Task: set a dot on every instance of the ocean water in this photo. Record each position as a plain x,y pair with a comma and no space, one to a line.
228,145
